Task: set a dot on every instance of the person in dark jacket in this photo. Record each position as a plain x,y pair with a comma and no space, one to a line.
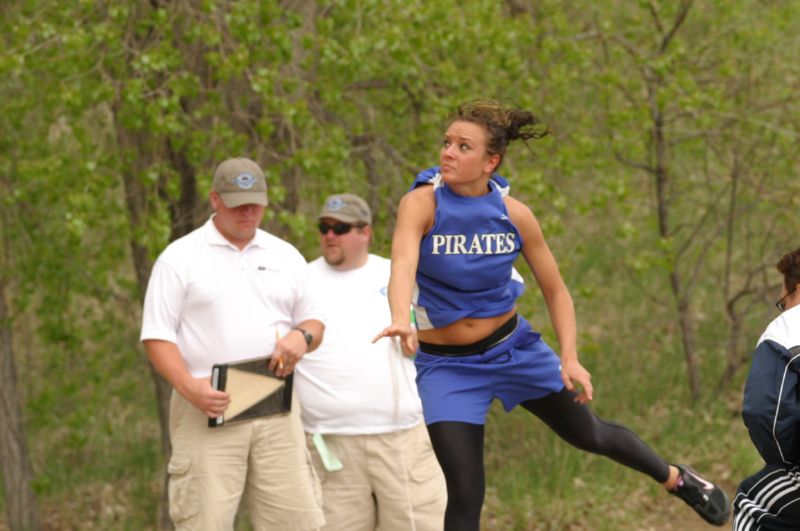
770,498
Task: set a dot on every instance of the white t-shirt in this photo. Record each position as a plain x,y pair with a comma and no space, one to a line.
349,385
220,304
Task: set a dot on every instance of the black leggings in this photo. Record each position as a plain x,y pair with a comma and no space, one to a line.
459,449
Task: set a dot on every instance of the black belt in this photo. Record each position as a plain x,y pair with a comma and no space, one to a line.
473,348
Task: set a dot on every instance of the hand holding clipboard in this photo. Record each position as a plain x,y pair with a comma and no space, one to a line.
255,391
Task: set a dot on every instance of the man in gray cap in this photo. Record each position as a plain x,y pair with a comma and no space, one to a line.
227,292
359,400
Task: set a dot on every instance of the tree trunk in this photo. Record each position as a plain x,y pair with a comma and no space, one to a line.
21,506
687,338
136,202
682,300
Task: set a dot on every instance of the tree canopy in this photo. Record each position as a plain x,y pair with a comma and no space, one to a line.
666,189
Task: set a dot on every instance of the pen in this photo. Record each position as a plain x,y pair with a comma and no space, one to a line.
277,338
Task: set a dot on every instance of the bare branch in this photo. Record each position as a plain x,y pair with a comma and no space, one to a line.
633,164
654,14
627,46
683,12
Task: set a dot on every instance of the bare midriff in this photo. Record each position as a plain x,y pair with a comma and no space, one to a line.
465,331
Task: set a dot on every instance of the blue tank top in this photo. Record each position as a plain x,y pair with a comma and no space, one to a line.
466,261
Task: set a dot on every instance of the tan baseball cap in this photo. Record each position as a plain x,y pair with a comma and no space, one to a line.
240,181
348,208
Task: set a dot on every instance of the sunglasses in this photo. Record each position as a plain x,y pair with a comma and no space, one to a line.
338,228
781,304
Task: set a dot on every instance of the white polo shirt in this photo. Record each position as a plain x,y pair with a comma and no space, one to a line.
220,304
350,385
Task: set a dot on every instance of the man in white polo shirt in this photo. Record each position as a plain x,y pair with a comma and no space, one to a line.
230,291
360,404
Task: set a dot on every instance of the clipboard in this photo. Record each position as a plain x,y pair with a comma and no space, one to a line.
255,390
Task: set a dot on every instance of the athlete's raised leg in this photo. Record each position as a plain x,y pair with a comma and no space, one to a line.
576,424
579,426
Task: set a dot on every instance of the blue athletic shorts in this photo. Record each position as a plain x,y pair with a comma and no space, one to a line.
461,388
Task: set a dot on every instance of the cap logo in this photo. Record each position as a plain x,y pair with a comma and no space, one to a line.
245,181
334,204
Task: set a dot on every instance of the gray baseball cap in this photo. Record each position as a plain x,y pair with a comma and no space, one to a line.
348,208
240,181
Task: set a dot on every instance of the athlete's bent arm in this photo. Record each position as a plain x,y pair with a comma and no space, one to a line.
559,302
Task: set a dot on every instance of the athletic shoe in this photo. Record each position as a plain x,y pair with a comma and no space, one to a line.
707,499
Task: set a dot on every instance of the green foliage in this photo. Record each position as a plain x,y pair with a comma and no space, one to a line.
115,115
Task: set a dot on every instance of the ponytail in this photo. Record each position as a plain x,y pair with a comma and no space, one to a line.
502,124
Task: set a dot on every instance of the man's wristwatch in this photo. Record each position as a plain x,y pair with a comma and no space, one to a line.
308,336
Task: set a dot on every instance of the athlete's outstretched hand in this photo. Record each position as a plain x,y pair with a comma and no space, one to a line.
405,333
577,379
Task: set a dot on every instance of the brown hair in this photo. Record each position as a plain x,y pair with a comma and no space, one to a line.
789,267
503,124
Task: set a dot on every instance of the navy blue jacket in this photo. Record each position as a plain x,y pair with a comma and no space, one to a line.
771,408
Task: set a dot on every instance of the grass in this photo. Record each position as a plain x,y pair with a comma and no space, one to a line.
94,441
537,482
